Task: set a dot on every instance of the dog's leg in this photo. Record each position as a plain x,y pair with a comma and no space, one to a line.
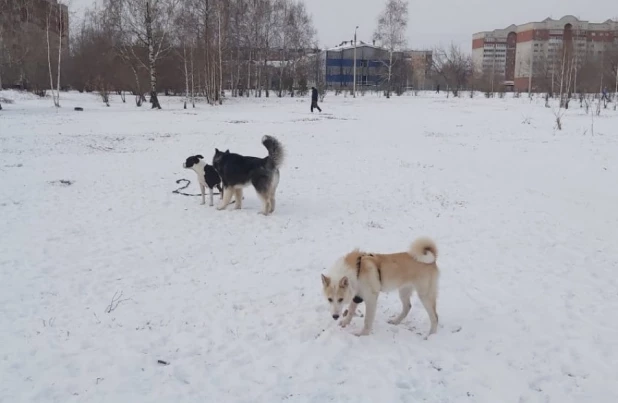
211,194
227,196
429,302
351,312
238,198
371,304
405,294
203,189
272,204
265,203
220,191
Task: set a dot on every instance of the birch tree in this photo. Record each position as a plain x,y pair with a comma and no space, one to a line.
146,23
54,21
390,34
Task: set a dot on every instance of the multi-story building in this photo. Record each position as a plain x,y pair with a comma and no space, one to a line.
422,63
38,16
336,66
520,54
24,30
370,60
493,53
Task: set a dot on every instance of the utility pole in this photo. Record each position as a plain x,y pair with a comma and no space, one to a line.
616,90
531,70
493,70
354,85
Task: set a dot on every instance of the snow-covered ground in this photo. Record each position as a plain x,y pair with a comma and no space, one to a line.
525,218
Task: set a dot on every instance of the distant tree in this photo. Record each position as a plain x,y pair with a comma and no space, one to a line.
390,34
455,67
146,23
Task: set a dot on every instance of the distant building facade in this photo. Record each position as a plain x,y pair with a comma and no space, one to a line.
24,27
519,53
422,64
335,66
370,61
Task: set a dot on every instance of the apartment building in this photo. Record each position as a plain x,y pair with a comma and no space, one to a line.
422,62
493,53
519,53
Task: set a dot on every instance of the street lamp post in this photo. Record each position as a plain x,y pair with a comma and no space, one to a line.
354,85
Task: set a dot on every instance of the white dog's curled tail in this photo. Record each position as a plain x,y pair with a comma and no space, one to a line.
424,250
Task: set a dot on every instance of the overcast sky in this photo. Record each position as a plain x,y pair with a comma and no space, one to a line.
436,22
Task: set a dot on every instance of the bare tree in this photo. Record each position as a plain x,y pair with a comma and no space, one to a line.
455,67
201,47
390,33
184,25
146,23
54,21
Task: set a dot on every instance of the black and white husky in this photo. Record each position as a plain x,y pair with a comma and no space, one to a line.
239,171
207,176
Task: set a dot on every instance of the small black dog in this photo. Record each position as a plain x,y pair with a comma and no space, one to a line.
207,176
238,171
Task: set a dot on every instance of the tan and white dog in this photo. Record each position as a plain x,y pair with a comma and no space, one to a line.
360,276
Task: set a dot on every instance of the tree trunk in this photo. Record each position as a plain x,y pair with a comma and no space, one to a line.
184,54
59,53
51,77
154,100
390,74
138,87
258,76
206,58
220,90
192,78
249,74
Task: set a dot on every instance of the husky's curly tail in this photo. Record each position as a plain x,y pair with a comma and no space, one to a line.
424,250
276,152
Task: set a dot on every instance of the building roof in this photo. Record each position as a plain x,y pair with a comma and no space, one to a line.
350,45
546,22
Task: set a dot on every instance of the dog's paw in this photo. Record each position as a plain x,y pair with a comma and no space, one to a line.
221,207
202,203
394,321
364,332
344,323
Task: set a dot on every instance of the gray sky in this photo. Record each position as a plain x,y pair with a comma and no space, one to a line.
439,21
443,21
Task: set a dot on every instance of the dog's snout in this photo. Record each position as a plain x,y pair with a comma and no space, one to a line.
335,316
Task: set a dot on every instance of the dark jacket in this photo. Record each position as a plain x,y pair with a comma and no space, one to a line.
314,95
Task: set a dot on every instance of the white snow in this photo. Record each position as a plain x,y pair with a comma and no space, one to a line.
525,219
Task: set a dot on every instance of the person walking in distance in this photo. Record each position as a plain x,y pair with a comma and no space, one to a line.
314,99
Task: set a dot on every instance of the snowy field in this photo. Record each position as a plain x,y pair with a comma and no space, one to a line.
525,218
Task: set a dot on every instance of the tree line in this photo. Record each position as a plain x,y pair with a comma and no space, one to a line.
196,48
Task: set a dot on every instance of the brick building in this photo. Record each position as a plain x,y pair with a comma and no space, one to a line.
23,38
519,53
422,63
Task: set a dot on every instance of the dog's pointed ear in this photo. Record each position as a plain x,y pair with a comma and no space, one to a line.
216,151
343,283
200,156
325,280
227,151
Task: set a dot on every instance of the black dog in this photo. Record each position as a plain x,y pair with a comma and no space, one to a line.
207,176
238,171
